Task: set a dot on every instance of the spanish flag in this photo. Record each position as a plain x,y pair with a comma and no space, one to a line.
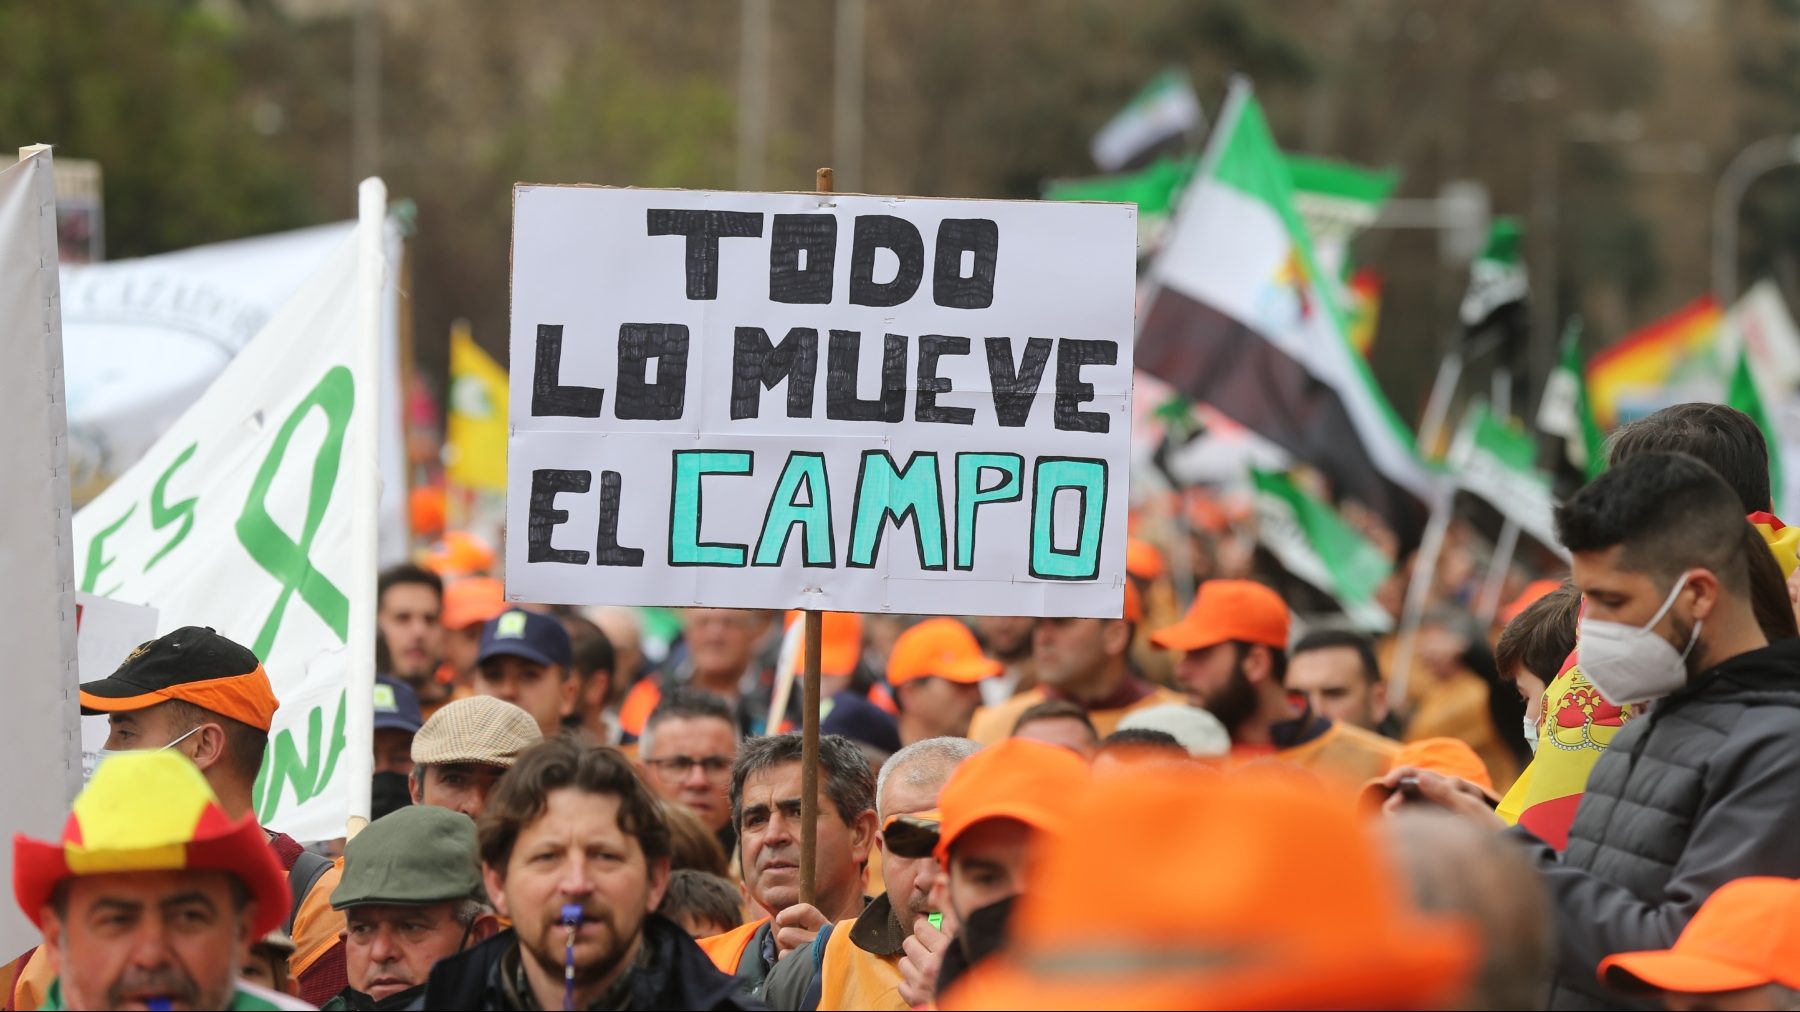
1579,724
476,454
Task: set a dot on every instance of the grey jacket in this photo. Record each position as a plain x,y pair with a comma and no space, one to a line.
1703,790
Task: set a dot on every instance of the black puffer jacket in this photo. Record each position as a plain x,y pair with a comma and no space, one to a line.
677,975
1703,790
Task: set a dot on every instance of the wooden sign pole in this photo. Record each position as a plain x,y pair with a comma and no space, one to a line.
809,719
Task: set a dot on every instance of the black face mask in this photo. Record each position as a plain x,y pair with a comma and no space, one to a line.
388,792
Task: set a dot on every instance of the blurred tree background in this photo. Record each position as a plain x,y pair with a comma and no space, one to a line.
1603,124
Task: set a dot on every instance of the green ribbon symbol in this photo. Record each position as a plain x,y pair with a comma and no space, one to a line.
287,560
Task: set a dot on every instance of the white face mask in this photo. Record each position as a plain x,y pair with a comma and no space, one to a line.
1632,664
107,753
1531,734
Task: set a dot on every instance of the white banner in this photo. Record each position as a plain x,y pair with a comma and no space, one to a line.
819,401
37,597
145,337
241,517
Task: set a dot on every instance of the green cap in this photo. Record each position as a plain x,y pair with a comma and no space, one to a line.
418,855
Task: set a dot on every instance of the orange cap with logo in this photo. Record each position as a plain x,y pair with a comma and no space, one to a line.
939,648
473,600
193,664
840,641
1188,888
1746,934
1016,779
1228,611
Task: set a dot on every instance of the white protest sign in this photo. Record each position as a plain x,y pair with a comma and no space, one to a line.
37,596
241,518
106,632
837,402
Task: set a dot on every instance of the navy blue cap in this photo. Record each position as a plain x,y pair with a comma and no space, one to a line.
527,634
396,706
859,720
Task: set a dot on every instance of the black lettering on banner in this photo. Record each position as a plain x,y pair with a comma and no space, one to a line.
1016,390
841,402
792,235
703,230
548,394
930,384
607,550
544,517
980,236
757,364
636,397
1071,392
901,237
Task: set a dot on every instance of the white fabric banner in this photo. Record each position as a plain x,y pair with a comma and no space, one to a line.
817,401
146,336
37,597
240,518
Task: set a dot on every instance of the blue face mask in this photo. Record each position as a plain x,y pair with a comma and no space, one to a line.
107,753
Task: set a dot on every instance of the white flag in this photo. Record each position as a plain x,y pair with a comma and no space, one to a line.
241,518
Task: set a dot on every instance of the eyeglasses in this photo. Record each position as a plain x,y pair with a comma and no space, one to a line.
716,767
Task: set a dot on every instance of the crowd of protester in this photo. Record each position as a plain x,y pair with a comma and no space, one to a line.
1590,802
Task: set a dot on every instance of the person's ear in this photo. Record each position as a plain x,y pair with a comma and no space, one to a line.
1117,637
208,743
53,937
1378,701
1705,587
496,888
862,835
415,785
571,691
246,917
659,881
485,927
1256,664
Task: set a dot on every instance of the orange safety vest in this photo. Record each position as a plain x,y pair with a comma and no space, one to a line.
727,950
851,978
635,710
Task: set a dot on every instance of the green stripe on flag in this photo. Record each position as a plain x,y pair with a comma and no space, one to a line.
1342,180
1154,190
1320,547
1745,397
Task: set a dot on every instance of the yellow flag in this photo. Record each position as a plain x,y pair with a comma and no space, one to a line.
477,436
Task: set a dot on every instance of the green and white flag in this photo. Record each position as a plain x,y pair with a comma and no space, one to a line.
1314,543
1165,111
1155,189
1239,314
249,515
1745,396
1496,462
1497,277
1566,413
1336,200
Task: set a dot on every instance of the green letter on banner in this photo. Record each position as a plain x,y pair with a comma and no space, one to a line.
814,517
97,562
1051,475
882,492
162,514
287,560
685,547
970,494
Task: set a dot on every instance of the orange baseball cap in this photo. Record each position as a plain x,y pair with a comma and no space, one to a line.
426,504
195,665
1450,756
1014,779
1186,888
1746,934
940,648
460,554
1534,591
473,600
1227,611
1144,560
840,641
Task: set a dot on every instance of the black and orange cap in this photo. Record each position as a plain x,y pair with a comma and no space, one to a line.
195,665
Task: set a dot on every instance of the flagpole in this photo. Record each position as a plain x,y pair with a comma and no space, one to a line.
1488,604
365,492
1437,406
1418,592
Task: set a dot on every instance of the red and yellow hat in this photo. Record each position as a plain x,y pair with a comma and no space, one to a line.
151,811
